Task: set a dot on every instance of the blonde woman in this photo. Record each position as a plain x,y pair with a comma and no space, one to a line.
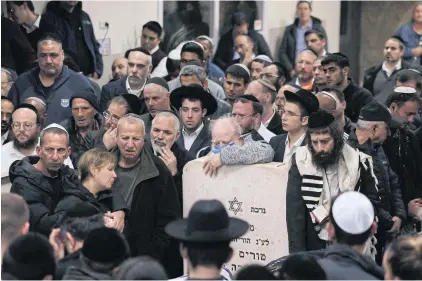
97,175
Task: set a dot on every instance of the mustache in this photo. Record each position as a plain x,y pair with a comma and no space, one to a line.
159,142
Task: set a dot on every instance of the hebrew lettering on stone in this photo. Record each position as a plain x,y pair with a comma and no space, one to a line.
258,210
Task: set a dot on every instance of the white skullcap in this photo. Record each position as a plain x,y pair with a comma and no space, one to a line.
353,212
37,100
327,94
244,67
196,44
174,54
55,125
264,58
405,90
204,37
179,47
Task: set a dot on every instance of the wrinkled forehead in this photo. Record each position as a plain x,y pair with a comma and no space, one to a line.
138,58
49,46
223,133
164,123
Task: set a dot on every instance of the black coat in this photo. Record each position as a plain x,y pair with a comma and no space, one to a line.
388,184
154,204
202,140
16,51
278,143
35,188
94,139
66,262
114,89
287,50
356,97
341,262
56,20
82,272
275,125
225,50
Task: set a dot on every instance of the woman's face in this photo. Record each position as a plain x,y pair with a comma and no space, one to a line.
106,176
417,14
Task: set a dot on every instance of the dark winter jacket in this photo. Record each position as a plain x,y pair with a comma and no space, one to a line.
114,89
41,196
356,98
16,51
82,272
202,140
58,21
341,262
94,139
275,125
154,204
404,155
388,184
224,55
71,260
57,97
76,141
278,143
287,50
349,126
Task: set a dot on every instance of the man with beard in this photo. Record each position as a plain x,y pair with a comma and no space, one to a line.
319,75
118,69
139,69
50,80
320,171
25,124
85,118
7,108
244,46
41,179
336,68
275,73
371,132
304,67
119,106
236,81
148,189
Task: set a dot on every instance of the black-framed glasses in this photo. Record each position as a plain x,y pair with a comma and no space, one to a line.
107,115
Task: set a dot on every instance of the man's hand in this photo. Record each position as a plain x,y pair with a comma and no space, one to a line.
110,138
414,207
212,164
115,220
169,159
396,225
57,243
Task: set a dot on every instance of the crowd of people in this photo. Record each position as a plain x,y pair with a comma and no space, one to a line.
97,173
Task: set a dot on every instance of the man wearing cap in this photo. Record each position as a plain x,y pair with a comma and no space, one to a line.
194,104
319,171
299,106
304,76
336,68
371,132
157,98
41,107
7,108
212,69
257,66
194,74
192,51
25,124
41,179
205,237
106,136
265,92
236,81
351,226
402,148
380,79
85,118
150,40
139,69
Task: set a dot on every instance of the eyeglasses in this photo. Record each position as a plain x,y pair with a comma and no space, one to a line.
6,114
107,115
241,117
267,75
26,126
290,114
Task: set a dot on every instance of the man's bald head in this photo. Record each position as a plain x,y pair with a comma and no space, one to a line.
119,68
327,102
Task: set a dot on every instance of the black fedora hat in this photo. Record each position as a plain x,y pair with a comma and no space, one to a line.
306,98
197,92
207,222
134,103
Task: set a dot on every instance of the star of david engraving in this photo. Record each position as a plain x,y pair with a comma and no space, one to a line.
235,206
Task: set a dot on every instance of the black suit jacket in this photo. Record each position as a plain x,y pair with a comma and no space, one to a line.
279,146
275,125
202,140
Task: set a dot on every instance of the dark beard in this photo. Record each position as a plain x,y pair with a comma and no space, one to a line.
323,160
30,143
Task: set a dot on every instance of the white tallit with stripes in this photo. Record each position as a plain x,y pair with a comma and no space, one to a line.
313,183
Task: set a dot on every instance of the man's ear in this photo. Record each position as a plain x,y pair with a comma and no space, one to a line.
205,84
183,251
69,151
204,112
230,255
305,120
48,277
38,150
177,136
331,231
346,70
282,80
24,229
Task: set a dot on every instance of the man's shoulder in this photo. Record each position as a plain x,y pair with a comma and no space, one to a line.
373,69
116,84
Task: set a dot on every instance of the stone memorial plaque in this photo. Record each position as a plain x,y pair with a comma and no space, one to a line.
255,193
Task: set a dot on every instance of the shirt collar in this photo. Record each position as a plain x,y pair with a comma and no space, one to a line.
269,120
4,137
297,143
196,133
31,28
396,67
129,90
154,50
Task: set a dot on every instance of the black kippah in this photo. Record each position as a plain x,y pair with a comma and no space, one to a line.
158,81
249,97
320,119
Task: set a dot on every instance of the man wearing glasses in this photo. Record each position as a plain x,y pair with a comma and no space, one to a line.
275,73
25,125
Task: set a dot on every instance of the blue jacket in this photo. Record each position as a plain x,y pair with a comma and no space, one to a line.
411,40
56,21
56,97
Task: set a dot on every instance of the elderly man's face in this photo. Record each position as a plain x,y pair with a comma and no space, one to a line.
119,68
223,135
164,132
156,98
5,84
406,112
130,140
114,112
207,48
139,64
83,113
304,65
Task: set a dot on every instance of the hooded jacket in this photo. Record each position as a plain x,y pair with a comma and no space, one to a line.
287,50
57,97
84,273
42,198
58,21
341,262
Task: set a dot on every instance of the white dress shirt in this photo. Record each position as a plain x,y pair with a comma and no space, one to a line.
288,152
387,71
9,154
4,137
265,133
33,27
190,138
130,91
